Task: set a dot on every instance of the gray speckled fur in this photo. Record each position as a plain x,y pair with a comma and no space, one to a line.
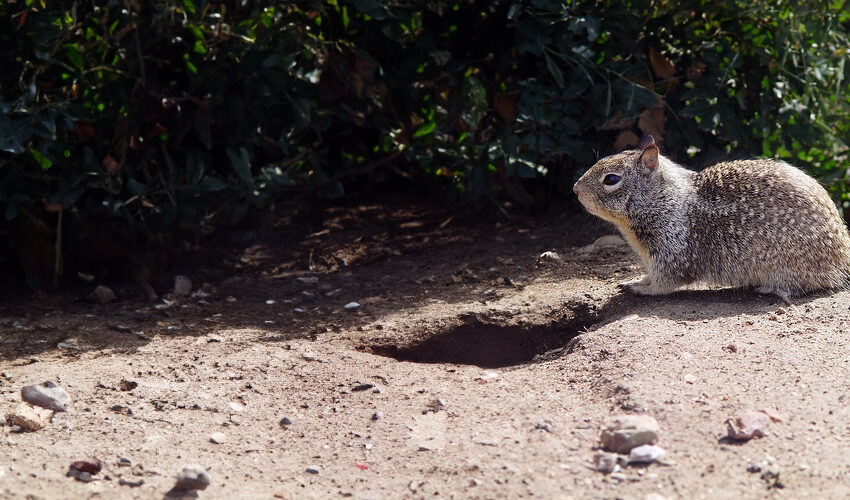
758,223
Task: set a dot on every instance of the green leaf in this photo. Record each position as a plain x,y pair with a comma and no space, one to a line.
240,160
43,161
425,129
72,52
136,188
372,8
210,184
555,71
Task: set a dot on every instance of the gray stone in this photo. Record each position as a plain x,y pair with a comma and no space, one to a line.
193,477
605,462
312,469
46,395
104,294
629,431
79,475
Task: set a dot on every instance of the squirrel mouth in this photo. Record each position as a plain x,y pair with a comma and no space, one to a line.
588,204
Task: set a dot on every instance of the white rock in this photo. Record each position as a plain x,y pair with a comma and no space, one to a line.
646,453
549,255
690,378
351,305
29,418
235,406
218,437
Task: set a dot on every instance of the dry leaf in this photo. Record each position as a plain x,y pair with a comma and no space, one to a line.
505,105
661,65
625,139
651,122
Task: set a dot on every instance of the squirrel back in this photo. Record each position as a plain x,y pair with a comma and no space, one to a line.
759,223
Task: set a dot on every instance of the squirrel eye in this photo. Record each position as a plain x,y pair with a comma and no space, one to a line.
611,179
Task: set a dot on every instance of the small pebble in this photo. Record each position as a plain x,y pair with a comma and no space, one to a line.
747,425
351,305
376,416
235,406
91,465
127,385
690,378
104,294
131,484
605,462
312,469
285,421
629,431
79,475
549,255
544,426
218,437
193,477
270,302
362,387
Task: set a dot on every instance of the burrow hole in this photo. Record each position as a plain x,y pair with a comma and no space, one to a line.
493,345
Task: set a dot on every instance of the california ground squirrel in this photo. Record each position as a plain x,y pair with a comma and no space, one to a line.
753,223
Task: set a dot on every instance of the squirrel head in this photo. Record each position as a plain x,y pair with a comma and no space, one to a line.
605,189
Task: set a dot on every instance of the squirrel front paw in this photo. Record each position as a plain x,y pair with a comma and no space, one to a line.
637,282
645,286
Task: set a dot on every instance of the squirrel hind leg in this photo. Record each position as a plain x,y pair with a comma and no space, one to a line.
784,295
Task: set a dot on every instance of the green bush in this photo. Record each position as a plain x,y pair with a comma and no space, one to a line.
132,127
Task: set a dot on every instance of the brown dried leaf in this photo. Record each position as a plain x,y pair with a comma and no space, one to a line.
651,122
625,139
661,65
616,122
112,167
505,105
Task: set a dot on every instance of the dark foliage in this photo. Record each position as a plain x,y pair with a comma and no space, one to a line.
129,129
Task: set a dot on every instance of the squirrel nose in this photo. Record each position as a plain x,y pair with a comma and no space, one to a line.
576,188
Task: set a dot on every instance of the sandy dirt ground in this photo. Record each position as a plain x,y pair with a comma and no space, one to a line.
470,368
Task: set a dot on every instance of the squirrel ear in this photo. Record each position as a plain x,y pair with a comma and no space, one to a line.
646,142
649,157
